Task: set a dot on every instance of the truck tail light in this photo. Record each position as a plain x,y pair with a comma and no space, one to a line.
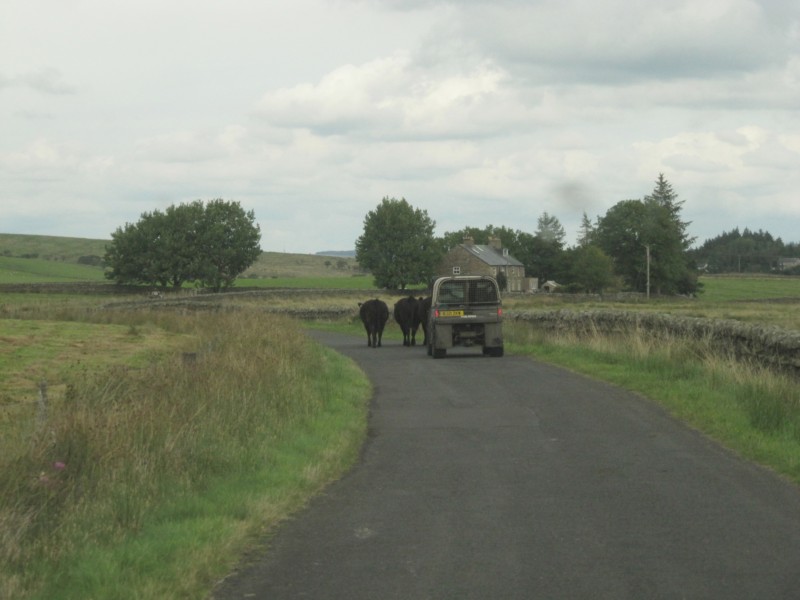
499,312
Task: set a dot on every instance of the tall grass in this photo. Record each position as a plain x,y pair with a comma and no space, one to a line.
139,477
749,408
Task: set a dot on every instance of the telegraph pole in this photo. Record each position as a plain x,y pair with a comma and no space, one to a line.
647,248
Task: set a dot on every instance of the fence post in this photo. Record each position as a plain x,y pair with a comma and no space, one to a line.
42,412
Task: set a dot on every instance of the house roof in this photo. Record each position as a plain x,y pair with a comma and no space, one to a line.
491,256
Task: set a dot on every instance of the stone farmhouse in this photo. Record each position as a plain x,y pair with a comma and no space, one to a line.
492,259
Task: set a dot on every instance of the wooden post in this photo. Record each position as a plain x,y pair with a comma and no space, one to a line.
42,413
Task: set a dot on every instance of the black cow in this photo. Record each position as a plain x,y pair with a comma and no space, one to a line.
374,314
405,313
421,318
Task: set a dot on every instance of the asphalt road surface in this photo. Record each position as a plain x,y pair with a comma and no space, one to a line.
503,478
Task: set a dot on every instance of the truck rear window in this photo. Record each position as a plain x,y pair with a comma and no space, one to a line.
468,292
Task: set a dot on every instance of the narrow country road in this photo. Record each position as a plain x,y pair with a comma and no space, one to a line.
498,479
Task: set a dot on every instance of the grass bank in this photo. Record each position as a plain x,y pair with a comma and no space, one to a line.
147,480
753,411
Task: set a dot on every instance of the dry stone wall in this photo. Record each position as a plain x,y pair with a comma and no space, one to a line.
771,347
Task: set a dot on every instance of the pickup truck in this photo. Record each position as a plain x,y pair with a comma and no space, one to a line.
465,311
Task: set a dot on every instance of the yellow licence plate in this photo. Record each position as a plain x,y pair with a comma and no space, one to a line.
451,313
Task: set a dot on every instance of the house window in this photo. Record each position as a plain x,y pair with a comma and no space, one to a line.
456,270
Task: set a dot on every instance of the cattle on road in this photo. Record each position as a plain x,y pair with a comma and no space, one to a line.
405,313
374,314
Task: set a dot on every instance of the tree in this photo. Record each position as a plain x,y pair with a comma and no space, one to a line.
549,229
229,239
545,249
210,244
451,239
397,245
621,235
632,230
746,251
586,231
590,269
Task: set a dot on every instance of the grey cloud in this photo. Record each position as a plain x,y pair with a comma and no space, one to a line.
48,81
616,41
576,196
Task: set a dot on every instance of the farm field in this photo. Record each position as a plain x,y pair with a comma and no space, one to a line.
116,363
46,259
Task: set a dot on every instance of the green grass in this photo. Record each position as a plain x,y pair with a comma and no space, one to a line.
183,546
150,482
38,270
749,409
173,471
51,248
362,282
722,288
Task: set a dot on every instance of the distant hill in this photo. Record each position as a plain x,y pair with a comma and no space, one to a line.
338,253
40,250
26,258
47,247
281,264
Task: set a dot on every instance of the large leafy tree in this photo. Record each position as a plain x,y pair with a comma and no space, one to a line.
620,234
206,243
589,269
398,246
229,238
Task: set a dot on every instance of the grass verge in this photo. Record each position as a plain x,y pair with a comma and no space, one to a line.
150,482
749,409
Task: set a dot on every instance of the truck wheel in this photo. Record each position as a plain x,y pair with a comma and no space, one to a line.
496,352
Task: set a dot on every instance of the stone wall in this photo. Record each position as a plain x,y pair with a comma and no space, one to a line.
768,346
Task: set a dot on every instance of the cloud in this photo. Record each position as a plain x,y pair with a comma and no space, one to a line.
46,80
309,112
395,98
621,40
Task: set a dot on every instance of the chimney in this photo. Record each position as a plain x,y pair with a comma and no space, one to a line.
469,240
495,243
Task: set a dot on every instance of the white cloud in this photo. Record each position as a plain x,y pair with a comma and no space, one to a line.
311,111
393,98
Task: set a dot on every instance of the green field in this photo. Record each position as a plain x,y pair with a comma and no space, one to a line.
52,248
189,466
39,270
721,288
48,259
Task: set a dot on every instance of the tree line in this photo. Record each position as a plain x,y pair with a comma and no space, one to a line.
637,245
745,252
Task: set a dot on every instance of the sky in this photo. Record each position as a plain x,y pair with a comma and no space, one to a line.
310,112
